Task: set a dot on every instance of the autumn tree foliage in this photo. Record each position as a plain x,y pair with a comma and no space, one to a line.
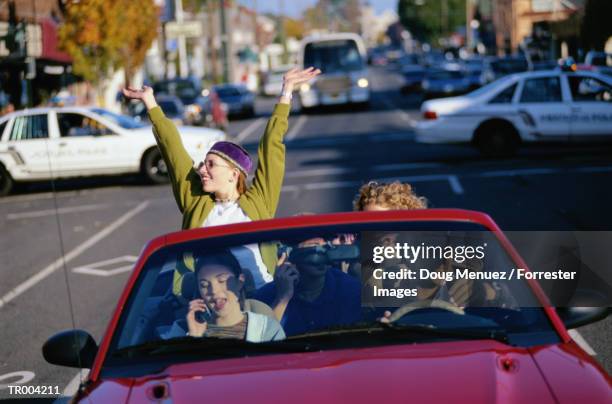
105,35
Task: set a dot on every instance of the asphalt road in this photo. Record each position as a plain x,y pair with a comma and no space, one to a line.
100,225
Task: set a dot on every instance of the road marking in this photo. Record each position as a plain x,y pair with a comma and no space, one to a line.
296,128
248,130
579,339
402,114
25,376
40,196
526,171
58,263
345,170
72,387
455,184
94,268
50,212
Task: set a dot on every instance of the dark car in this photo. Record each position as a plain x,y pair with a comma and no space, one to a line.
239,100
413,72
508,65
482,338
444,83
201,105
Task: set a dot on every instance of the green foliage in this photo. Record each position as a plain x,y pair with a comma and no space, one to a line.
429,20
596,27
105,35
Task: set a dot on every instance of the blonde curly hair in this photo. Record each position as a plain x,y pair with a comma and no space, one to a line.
395,195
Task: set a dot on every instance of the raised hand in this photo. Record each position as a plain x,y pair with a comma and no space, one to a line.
144,94
295,77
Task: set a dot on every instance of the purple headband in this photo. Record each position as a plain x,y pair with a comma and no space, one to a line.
235,154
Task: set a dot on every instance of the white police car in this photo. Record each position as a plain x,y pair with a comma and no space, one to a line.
44,143
553,105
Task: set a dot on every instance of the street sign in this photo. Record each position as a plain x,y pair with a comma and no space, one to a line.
189,29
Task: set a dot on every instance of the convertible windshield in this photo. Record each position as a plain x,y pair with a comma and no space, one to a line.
427,283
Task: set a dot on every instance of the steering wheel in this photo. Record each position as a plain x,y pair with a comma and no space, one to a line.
425,304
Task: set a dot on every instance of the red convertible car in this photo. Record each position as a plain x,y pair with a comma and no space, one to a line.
362,309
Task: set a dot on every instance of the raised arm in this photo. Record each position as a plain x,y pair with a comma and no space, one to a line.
271,151
178,161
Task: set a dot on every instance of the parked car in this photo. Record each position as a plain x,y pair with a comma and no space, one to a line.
553,105
600,62
441,82
411,68
48,143
201,106
239,100
504,66
512,346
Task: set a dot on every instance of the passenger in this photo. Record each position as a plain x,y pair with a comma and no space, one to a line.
392,196
216,192
308,294
221,285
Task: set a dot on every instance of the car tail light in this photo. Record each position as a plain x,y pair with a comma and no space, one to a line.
430,115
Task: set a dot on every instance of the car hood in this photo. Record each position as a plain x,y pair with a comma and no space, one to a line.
465,371
445,105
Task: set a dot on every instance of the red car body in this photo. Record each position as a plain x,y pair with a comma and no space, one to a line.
480,371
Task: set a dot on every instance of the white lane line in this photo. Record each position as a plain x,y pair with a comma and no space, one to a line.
72,387
40,196
49,212
296,128
42,274
248,130
402,114
455,184
576,336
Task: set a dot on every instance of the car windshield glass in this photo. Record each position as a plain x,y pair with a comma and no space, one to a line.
169,107
226,92
445,75
337,279
507,66
126,122
491,87
333,56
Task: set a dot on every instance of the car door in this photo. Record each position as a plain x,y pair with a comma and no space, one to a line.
88,146
591,106
27,144
541,99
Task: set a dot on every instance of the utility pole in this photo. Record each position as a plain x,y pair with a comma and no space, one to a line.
182,43
226,40
469,15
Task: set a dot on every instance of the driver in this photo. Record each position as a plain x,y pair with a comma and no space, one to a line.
308,294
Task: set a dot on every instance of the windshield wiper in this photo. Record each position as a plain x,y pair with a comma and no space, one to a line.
469,333
400,330
212,346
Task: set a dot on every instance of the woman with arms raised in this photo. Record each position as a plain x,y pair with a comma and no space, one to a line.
215,192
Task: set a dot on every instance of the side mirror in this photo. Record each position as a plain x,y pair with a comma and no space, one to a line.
574,317
73,348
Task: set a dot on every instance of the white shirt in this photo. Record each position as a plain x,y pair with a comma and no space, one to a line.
249,255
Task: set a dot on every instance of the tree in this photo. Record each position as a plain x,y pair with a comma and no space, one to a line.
294,28
106,35
596,27
430,20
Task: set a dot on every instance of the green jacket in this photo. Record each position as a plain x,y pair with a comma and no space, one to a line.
258,202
